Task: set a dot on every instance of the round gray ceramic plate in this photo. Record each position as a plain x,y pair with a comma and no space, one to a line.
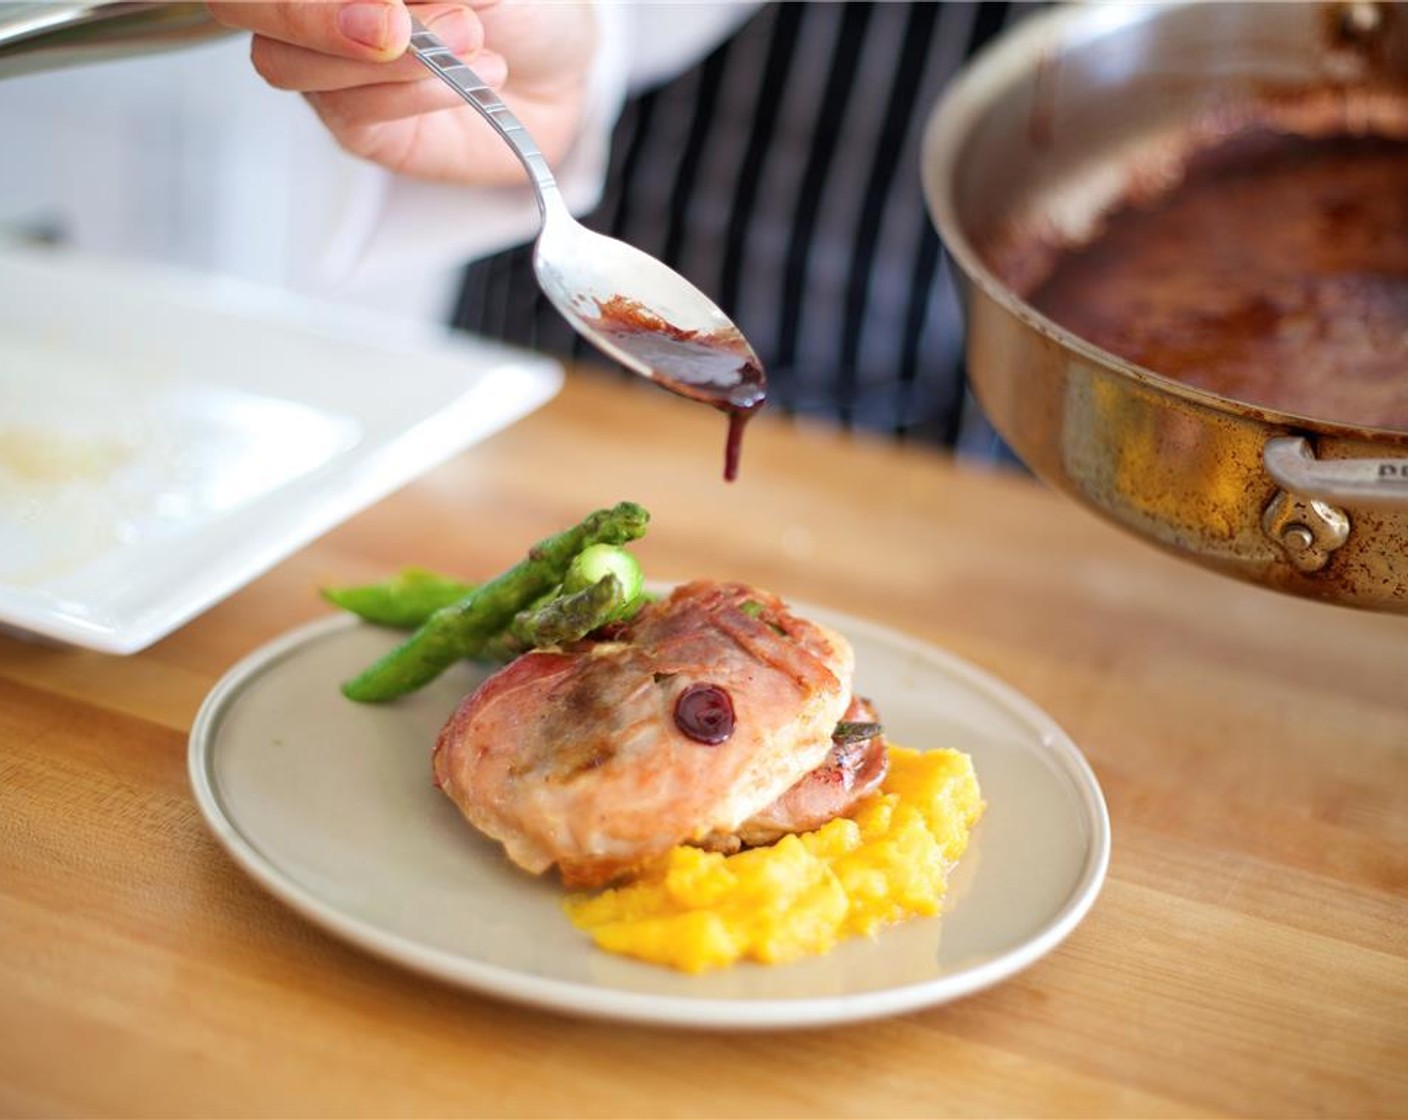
329,804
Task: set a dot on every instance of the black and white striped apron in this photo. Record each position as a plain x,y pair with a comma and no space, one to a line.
781,176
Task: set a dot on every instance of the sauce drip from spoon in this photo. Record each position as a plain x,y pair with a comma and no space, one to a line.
715,367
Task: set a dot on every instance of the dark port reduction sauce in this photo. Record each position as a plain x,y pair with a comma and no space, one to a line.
717,368
1274,273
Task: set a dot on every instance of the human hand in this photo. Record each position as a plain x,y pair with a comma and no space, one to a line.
348,59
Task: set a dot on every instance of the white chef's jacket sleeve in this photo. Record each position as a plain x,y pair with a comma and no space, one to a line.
188,158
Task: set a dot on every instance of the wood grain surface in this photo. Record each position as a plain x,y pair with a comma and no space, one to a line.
1248,956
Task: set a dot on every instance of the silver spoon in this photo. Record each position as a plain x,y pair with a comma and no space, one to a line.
625,302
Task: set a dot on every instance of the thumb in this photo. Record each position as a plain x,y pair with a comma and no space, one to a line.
371,30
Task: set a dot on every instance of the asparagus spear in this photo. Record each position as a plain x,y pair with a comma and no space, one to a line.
569,617
404,601
463,628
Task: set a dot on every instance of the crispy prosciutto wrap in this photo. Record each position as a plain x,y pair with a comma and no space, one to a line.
709,718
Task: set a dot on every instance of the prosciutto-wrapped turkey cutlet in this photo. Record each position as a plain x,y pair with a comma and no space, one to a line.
708,718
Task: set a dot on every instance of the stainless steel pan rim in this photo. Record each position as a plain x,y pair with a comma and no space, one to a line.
949,126
1296,470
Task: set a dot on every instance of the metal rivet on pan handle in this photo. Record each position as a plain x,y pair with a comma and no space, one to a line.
1308,530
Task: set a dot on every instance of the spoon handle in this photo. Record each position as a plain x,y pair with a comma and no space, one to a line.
441,61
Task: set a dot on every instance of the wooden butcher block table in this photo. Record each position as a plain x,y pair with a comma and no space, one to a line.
1248,954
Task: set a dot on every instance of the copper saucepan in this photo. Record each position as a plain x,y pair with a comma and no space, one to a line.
1046,130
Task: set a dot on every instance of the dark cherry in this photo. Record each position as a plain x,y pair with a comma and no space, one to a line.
704,712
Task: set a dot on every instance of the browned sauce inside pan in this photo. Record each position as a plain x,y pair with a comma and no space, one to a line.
1275,273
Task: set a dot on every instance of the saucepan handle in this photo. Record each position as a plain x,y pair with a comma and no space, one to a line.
1356,483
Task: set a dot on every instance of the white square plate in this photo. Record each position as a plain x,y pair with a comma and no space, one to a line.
167,436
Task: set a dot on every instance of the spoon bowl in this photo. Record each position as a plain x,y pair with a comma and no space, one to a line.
645,315
629,305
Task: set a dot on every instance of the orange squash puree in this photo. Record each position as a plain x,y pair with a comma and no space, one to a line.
890,860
